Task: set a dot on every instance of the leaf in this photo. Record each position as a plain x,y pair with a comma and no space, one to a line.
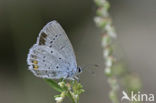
54,85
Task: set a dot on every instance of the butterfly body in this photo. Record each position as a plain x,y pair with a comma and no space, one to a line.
52,56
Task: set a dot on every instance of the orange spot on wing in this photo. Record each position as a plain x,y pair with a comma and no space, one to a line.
35,67
35,62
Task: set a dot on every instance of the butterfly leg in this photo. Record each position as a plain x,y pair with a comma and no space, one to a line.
77,78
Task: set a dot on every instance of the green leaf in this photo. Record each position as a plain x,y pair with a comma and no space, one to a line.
54,85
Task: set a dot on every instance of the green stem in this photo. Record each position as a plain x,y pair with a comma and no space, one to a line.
54,85
72,89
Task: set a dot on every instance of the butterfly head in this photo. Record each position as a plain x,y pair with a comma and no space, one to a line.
79,70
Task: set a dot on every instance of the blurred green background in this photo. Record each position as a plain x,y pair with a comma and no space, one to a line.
21,21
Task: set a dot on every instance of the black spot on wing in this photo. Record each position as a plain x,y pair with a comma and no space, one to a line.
33,56
50,46
51,42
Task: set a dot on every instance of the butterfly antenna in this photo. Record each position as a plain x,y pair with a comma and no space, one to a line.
92,68
90,65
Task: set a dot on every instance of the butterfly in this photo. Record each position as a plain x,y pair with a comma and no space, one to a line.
52,56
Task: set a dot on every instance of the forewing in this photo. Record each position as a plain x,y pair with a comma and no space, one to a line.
53,36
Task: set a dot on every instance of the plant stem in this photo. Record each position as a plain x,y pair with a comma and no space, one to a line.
70,89
112,68
104,22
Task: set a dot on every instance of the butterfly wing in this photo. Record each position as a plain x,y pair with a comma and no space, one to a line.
53,36
43,62
52,56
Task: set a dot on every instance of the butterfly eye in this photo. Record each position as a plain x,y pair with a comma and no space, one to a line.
79,69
